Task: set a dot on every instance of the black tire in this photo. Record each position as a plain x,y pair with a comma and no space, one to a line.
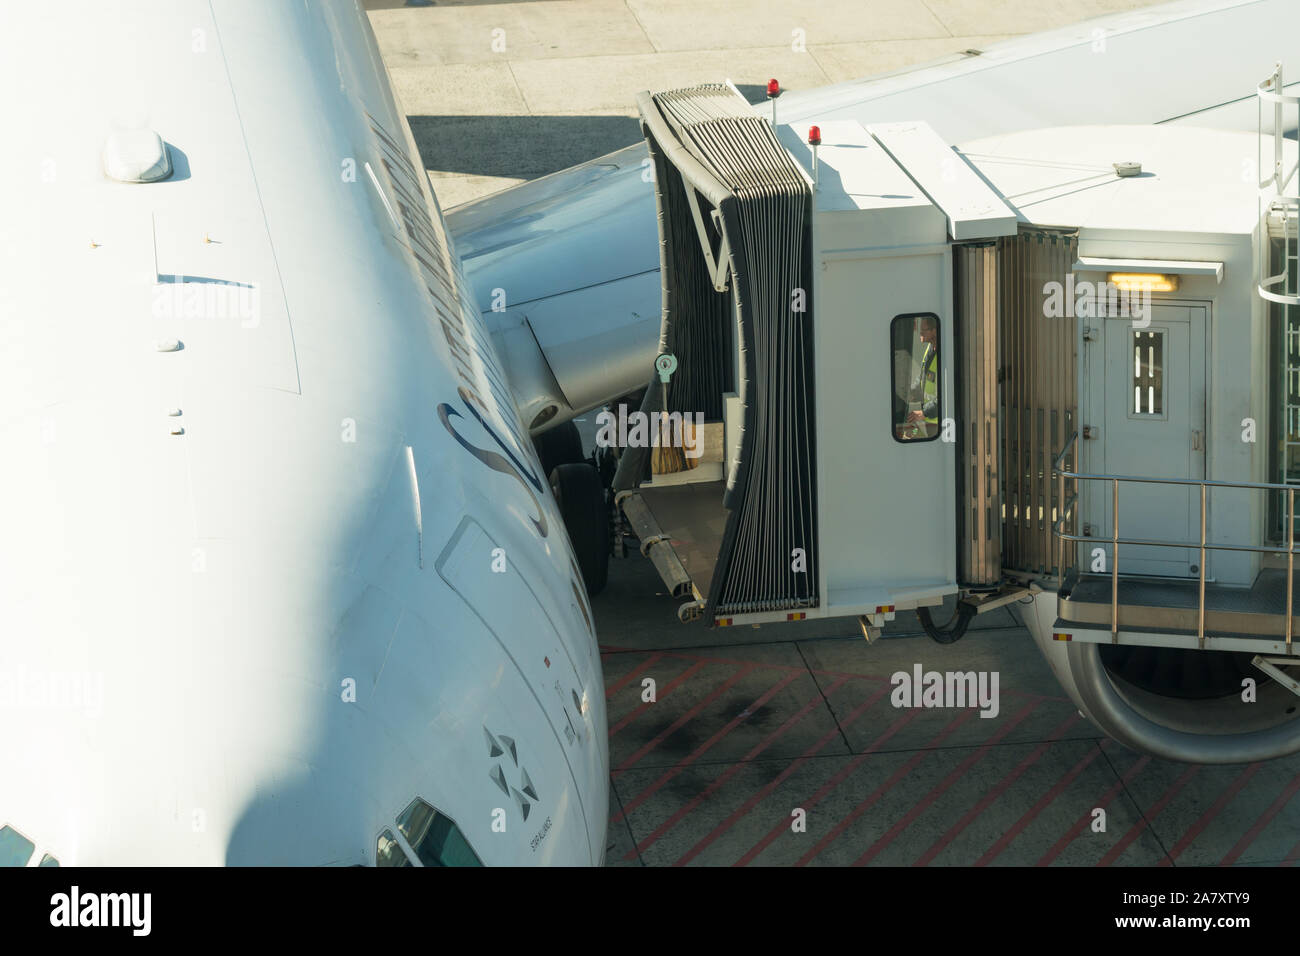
581,497
561,445
607,465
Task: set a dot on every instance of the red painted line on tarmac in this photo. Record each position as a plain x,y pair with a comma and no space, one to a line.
734,769
1148,815
1265,818
704,747
1224,799
871,677
1080,824
960,826
767,788
843,775
1294,856
632,675
736,662
941,788
684,719
1005,840
667,689
883,678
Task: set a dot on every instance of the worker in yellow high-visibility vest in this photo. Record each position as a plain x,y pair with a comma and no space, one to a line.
926,418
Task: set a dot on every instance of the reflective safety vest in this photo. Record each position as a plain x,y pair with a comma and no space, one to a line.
930,382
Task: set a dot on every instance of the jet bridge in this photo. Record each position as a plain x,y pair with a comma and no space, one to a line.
810,343
1055,366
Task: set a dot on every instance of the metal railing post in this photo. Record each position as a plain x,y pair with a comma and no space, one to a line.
1060,530
1062,508
1114,561
1200,625
1078,505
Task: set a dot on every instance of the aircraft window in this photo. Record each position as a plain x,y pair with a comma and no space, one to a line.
389,852
915,377
436,839
15,849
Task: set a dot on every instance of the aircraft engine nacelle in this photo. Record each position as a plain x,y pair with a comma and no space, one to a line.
567,283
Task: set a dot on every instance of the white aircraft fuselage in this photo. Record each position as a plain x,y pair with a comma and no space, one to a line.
276,554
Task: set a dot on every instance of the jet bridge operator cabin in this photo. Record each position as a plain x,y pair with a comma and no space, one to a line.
1057,367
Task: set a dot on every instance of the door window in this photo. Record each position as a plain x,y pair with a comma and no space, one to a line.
1148,386
915,377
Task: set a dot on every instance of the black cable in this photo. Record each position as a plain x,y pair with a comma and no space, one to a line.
953,631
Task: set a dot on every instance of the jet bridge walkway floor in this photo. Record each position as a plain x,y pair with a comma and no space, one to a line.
751,724
692,517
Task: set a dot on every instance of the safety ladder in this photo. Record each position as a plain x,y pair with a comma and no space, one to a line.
1279,257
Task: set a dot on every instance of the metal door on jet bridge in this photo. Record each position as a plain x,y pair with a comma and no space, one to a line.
1152,410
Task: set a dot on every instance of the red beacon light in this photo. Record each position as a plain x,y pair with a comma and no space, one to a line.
814,140
773,91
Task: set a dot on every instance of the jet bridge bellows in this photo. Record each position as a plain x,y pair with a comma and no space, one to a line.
734,253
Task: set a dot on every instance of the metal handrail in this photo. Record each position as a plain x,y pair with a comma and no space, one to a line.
1066,511
1259,485
1056,462
1059,525
1146,542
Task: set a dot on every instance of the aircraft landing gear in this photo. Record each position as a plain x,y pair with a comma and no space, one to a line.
581,497
561,445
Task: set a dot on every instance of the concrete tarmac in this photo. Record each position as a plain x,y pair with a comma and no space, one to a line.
499,93
752,724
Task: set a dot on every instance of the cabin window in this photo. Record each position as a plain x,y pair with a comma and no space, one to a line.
436,839
915,379
15,849
1148,386
389,852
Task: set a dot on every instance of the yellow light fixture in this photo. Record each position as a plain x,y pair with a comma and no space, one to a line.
1143,281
